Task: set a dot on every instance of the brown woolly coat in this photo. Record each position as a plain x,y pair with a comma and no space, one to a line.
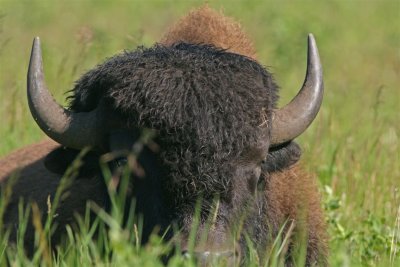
22,157
292,195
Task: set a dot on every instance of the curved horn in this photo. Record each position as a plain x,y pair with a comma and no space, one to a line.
74,130
293,119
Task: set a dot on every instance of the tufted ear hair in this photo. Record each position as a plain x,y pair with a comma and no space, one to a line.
281,157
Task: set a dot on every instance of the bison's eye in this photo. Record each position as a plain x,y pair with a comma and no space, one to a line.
262,161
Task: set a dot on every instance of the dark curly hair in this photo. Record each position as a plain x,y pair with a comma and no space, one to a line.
207,104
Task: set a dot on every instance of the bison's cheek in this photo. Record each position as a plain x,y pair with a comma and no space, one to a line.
244,187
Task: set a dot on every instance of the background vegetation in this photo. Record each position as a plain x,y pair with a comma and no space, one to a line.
353,147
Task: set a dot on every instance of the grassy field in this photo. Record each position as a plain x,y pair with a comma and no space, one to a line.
353,147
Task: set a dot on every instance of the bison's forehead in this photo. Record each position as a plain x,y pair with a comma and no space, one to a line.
198,97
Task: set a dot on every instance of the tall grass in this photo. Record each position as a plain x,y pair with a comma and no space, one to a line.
352,148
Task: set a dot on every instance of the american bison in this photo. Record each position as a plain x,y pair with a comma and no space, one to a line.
219,133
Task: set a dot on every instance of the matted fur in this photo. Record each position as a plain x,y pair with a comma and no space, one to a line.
292,196
24,156
207,26
207,103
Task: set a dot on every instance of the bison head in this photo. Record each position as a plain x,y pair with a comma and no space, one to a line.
218,129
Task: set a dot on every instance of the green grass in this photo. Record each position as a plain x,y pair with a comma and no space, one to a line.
352,148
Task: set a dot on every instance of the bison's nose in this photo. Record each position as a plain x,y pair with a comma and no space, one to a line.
209,258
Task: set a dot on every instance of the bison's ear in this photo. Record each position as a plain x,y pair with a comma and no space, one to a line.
61,158
281,157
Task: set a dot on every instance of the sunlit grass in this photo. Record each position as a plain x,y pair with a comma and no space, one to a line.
352,148
112,238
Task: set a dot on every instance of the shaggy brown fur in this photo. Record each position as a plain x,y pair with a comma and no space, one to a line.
25,156
289,190
35,183
293,195
207,26
289,193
